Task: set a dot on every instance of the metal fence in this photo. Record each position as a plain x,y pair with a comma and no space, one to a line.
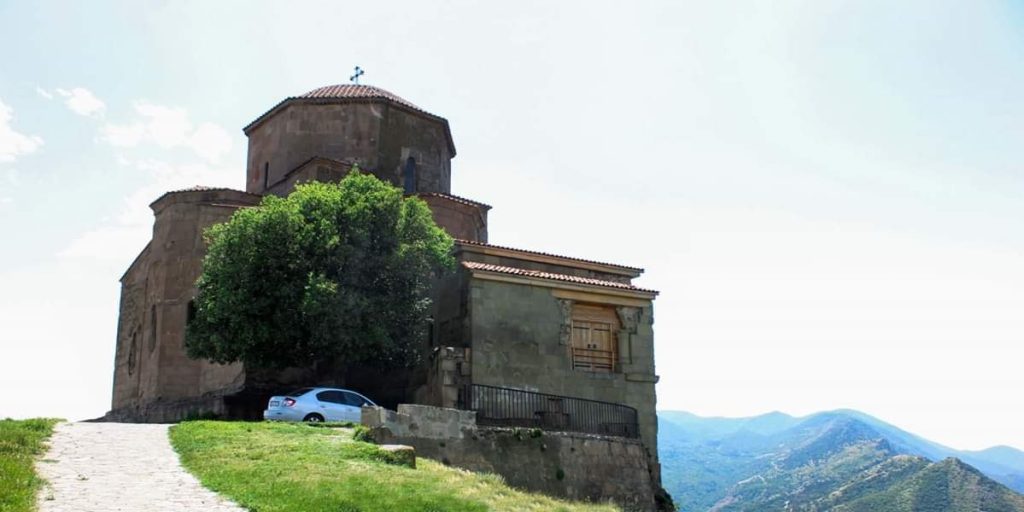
505,407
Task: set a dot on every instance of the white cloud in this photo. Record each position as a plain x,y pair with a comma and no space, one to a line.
82,101
107,244
7,182
169,127
10,177
210,141
128,135
44,93
119,240
12,143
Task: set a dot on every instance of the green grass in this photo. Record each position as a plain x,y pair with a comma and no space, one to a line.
21,441
277,467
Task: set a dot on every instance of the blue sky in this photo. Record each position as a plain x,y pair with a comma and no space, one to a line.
828,194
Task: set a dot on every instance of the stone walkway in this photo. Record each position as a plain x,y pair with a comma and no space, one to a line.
119,467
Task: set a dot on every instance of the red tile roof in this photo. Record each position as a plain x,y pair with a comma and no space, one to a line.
457,199
204,188
481,244
358,91
475,265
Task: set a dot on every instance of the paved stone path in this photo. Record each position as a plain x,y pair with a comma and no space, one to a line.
119,467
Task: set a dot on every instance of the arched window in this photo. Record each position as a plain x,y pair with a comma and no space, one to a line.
132,349
152,327
409,175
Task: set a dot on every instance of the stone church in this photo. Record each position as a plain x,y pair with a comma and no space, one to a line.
565,329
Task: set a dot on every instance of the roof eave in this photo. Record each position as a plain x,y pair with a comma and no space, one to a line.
634,293
543,257
454,198
155,205
138,258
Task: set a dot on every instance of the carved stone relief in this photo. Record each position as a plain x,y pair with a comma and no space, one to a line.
630,317
565,330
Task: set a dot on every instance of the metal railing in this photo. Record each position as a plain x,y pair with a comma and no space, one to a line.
505,407
593,360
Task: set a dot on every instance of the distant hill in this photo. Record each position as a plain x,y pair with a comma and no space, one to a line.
839,460
949,485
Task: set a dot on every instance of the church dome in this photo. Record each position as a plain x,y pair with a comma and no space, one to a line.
384,133
353,91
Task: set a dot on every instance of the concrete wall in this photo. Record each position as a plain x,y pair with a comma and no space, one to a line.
376,135
566,465
517,342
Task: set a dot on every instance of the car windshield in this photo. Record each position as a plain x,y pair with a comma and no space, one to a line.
299,392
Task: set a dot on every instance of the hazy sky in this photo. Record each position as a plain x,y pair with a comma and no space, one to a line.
827,194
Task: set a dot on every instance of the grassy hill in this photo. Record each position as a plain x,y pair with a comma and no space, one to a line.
278,467
21,442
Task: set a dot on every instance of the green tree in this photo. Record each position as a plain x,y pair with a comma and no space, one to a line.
334,272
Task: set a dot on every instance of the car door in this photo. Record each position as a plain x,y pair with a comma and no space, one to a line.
332,405
353,408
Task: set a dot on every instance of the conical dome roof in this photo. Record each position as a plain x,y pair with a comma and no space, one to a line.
357,91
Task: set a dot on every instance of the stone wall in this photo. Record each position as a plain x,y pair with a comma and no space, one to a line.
460,219
518,342
170,411
406,134
299,132
315,169
567,465
379,136
154,380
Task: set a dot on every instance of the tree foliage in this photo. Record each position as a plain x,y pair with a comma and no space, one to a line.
336,272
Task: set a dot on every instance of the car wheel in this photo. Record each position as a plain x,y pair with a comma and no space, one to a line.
313,418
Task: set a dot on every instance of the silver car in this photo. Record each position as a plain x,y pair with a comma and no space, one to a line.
316,405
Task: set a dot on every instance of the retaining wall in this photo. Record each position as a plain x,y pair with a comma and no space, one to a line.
563,464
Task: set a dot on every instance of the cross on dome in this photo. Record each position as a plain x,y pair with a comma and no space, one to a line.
355,78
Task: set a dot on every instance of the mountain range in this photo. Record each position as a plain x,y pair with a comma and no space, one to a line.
841,460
